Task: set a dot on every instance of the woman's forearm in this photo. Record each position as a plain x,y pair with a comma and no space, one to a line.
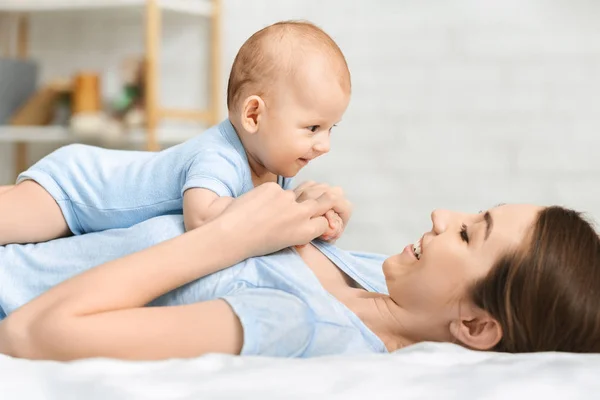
135,280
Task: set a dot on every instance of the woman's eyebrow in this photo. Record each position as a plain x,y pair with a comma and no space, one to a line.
494,206
489,224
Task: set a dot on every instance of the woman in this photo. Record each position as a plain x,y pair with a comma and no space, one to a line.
514,278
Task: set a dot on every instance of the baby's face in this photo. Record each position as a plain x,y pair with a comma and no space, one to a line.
296,126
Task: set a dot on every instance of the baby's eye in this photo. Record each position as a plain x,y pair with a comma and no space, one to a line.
313,128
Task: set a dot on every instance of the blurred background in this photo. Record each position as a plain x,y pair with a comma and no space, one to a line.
455,104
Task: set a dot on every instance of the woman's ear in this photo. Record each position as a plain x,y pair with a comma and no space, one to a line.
252,110
476,329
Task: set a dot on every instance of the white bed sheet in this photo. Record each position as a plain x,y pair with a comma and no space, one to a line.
424,371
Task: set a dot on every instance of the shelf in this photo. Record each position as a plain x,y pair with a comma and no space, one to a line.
60,135
195,7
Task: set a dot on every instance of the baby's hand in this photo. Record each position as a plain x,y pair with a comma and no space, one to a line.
336,227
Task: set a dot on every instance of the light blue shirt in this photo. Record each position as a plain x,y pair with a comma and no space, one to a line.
283,308
100,189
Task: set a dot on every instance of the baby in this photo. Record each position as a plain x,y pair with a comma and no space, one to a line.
289,85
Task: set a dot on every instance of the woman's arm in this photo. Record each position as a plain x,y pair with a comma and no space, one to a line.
100,312
139,333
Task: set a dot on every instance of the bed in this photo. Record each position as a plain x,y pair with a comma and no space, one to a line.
423,371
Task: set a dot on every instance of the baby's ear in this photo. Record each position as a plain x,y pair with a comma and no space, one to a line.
252,110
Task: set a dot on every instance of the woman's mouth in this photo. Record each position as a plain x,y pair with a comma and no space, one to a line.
410,250
417,250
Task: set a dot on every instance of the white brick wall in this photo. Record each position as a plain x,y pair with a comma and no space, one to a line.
459,104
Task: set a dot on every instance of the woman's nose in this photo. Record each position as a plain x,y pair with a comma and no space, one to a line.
440,220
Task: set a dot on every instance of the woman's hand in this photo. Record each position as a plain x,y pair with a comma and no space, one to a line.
269,218
340,213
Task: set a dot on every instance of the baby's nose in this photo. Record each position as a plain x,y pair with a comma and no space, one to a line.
322,146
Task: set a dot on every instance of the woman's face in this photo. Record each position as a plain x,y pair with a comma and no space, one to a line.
460,249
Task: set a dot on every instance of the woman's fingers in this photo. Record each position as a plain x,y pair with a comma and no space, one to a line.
300,188
312,190
269,218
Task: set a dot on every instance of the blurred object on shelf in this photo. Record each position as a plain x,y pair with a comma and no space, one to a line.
88,120
39,109
62,110
127,110
18,81
131,97
86,93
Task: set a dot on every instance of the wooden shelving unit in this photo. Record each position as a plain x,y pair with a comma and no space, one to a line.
151,137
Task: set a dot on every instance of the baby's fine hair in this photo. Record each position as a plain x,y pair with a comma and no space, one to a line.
275,52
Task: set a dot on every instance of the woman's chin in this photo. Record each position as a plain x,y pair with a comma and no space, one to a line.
397,266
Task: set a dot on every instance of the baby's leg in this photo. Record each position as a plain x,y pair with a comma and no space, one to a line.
4,189
28,214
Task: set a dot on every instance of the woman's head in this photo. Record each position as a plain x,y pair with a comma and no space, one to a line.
547,296
516,278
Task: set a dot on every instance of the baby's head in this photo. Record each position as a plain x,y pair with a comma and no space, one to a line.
289,85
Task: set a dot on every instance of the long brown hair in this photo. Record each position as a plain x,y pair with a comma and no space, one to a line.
546,296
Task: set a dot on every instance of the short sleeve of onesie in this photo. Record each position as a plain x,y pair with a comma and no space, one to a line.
219,170
275,323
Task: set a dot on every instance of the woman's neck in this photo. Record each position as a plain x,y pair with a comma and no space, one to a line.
395,326
386,319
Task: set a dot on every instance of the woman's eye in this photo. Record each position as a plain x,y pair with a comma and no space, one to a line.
463,233
313,128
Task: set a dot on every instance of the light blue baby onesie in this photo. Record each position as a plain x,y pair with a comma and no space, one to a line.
284,310
100,189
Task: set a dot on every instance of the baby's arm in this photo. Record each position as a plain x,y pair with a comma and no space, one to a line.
214,178
202,205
